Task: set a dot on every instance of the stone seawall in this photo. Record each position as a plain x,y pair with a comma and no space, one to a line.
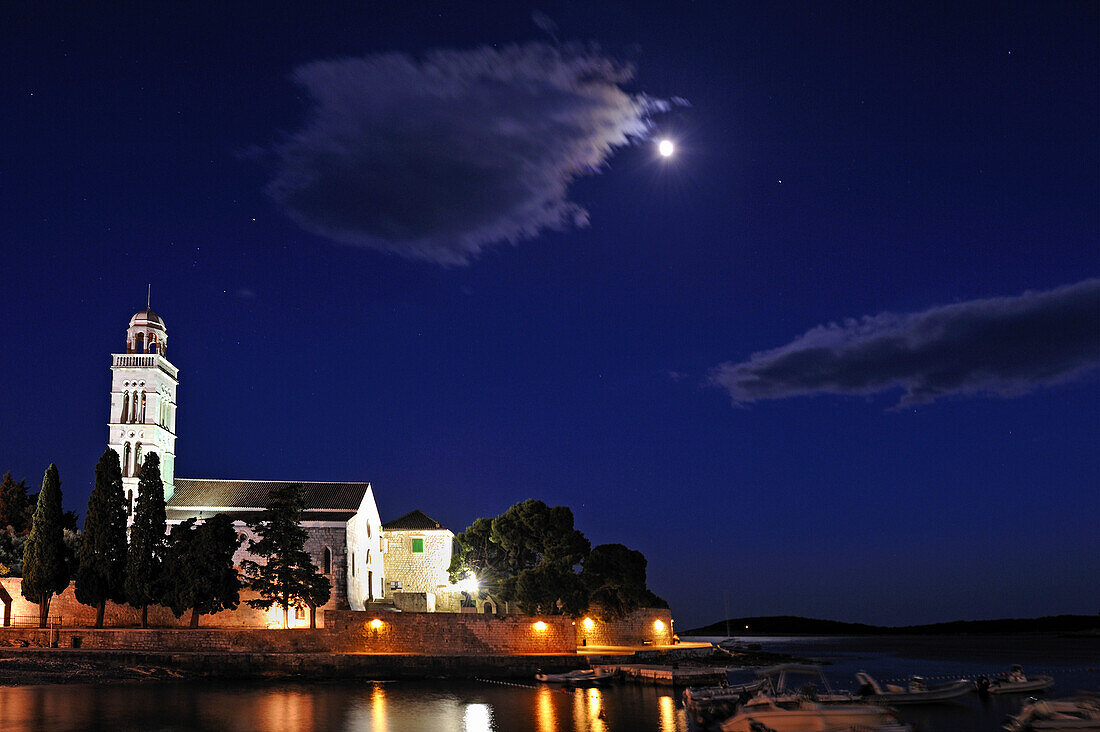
80,666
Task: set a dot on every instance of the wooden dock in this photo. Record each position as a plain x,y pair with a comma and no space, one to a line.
640,673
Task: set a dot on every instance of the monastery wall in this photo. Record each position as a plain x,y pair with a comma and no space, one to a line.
650,626
74,614
450,633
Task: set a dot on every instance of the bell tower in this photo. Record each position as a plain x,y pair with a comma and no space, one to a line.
143,403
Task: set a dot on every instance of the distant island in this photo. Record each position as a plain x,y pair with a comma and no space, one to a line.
794,625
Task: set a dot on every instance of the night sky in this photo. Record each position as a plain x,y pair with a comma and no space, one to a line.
835,357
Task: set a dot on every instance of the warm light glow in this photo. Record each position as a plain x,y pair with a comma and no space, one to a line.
540,626
588,624
666,711
746,627
666,148
467,584
658,625
376,623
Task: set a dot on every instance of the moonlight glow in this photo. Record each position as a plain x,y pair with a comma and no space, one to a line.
666,148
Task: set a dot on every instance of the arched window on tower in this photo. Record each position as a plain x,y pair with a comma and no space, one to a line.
126,460
137,459
152,343
134,405
125,405
139,343
327,561
142,420
130,502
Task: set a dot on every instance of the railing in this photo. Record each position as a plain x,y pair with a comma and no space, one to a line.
33,621
143,361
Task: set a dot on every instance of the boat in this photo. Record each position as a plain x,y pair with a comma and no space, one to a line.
1015,682
576,678
793,682
1064,715
762,712
707,705
917,692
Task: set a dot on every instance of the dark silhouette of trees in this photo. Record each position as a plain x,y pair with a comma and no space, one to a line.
45,572
102,559
13,504
198,572
145,557
287,576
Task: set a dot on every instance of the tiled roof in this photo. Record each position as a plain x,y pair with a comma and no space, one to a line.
413,521
256,493
182,514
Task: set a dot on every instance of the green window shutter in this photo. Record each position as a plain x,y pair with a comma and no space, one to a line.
418,546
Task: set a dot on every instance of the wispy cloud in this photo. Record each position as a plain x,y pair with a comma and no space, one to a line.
439,157
1001,346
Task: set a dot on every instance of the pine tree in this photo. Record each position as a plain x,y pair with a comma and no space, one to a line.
101,574
198,572
44,570
13,504
148,540
288,576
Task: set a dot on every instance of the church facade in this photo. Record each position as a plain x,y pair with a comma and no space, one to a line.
403,566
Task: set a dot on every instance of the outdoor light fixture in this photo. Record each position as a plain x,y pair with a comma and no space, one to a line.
467,584
540,626
658,625
376,623
588,624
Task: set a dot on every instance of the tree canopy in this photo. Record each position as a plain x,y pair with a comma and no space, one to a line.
287,577
145,557
102,559
615,579
198,571
13,504
45,571
530,555
527,556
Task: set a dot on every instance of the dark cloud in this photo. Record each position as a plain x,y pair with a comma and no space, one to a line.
1001,346
437,158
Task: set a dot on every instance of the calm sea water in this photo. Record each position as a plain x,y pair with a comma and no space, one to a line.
453,706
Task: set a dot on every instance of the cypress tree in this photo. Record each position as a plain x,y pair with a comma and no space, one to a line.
101,573
288,577
147,539
44,570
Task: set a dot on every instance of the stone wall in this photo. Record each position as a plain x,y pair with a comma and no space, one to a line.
650,626
450,633
74,614
418,571
346,632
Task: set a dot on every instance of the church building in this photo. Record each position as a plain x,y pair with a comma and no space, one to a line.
400,564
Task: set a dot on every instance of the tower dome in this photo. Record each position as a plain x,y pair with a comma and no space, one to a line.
147,334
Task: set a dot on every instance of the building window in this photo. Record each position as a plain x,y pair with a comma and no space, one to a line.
327,563
143,408
139,343
418,546
137,458
125,405
126,460
353,564
129,502
299,613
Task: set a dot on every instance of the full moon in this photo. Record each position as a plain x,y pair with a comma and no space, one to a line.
665,148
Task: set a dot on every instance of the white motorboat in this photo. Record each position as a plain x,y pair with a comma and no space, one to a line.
917,692
792,682
762,712
1014,682
1065,715
576,678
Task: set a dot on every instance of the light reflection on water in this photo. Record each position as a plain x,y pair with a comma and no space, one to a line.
401,706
